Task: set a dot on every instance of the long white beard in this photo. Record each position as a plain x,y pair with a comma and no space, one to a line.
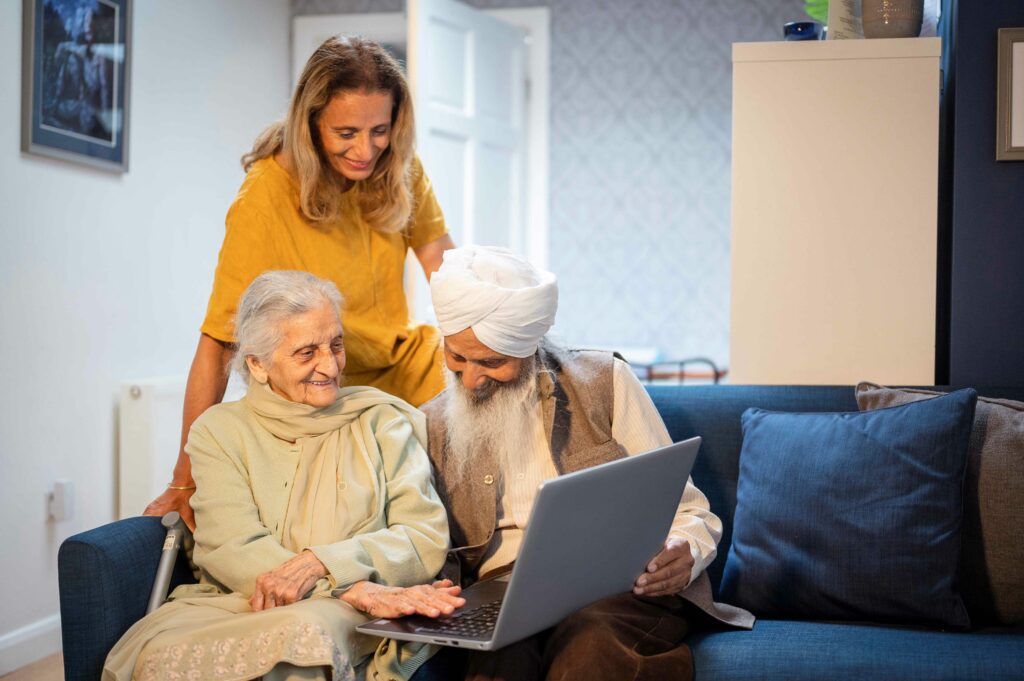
501,423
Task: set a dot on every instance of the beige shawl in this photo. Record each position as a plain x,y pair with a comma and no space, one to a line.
323,505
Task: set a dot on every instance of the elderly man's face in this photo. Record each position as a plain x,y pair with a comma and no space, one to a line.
480,369
308,362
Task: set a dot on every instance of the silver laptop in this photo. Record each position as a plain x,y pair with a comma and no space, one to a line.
590,535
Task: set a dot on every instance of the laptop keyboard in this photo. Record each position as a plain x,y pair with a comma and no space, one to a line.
477,622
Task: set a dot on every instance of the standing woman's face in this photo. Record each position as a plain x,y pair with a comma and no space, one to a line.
355,129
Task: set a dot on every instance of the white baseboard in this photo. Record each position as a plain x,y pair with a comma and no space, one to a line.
29,644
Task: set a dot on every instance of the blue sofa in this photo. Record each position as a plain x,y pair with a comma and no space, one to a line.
106,573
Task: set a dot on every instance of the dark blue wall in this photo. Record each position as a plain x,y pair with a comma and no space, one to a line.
986,280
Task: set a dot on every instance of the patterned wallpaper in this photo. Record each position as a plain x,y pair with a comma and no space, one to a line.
640,163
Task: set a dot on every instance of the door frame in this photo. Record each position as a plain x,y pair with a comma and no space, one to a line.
535,22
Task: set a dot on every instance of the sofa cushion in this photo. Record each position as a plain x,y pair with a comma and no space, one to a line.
713,412
810,651
992,557
852,516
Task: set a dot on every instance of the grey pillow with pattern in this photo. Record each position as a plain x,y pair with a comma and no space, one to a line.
992,554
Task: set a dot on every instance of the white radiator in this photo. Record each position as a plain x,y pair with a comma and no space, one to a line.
149,436
148,440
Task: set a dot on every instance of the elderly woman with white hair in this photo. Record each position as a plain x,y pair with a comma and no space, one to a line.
314,510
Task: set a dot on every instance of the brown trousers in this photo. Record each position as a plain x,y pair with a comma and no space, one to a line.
620,638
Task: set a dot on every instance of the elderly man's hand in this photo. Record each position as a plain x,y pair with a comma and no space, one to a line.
173,500
429,600
288,582
668,572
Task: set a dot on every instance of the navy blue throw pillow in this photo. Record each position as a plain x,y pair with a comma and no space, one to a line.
852,516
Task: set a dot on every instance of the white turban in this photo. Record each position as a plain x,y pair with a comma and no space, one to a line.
508,303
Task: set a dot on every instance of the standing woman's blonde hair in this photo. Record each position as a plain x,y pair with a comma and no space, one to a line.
343,64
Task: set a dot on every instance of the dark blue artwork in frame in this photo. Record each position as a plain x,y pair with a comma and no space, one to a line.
75,72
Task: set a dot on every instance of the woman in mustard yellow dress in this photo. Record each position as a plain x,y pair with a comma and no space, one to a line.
335,189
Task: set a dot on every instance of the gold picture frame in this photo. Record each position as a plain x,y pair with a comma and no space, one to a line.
1010,96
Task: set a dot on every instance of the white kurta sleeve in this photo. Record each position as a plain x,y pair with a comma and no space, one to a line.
638,427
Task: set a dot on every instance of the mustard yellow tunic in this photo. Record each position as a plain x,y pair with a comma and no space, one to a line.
267,231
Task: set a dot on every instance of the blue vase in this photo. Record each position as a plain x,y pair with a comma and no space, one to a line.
802,30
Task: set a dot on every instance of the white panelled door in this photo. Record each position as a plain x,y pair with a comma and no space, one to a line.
467,75
466,71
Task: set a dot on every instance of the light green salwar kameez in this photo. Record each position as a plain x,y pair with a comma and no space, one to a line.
351,483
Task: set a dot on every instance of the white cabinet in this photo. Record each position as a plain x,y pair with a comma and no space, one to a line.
834,214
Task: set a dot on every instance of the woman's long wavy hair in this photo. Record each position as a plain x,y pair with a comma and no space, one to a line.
344,64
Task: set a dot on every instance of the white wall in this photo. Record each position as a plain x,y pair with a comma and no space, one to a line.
105,277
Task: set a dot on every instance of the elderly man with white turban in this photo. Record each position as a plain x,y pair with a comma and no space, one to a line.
516,411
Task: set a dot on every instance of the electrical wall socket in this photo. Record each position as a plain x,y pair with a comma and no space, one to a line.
62,500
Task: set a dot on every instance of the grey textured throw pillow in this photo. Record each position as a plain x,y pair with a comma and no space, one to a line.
992,554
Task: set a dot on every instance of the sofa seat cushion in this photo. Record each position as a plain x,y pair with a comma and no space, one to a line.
779,650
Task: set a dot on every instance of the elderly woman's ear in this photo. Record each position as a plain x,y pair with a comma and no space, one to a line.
256,370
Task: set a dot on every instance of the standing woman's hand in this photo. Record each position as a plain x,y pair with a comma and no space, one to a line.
174,500
430,255
207,381
288,582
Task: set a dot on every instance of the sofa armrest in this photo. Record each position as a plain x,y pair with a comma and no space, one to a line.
105,578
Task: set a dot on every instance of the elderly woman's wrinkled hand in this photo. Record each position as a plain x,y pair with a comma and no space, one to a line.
288,582
429,600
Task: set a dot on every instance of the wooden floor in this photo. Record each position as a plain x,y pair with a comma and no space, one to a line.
47,669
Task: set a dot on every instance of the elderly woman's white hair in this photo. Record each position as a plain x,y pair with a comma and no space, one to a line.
270,299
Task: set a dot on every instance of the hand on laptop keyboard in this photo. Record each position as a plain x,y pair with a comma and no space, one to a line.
429,600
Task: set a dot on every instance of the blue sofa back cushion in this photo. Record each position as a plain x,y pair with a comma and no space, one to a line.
852,516
713,412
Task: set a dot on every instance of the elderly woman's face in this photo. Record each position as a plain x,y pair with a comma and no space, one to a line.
308,362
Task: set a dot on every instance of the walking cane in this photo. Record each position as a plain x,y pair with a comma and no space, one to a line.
172,542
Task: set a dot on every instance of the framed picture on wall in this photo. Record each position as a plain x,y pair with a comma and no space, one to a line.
75,69
1010,102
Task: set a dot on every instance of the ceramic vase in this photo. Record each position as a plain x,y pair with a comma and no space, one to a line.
892,18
